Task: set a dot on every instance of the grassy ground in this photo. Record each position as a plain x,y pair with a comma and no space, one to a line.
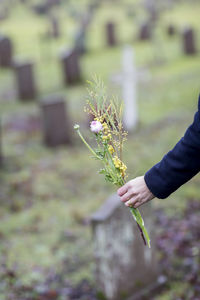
47,195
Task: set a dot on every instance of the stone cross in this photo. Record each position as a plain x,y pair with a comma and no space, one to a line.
25,80
129,87
71,67
189,43
123,264
56,124
6,52
110,34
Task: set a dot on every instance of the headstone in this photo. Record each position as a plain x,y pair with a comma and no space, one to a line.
6,52
56,124
71,67
53,2
25,80
171,30
123,264
145,32
54,27
4,13
40,8
189,43
129,83
110,34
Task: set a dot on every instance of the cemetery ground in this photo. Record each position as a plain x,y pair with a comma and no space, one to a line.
47,195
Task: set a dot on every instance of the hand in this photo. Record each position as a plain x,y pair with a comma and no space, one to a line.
135,192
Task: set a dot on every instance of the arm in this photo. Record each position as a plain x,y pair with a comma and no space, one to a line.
177,167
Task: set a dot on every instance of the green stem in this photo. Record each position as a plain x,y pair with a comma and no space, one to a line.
87,145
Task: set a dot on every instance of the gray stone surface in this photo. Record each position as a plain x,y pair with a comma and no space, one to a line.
129,89
54,26
145,32
71,67
56,124
6,52
171,30
123,264
111,34
25,81
189,42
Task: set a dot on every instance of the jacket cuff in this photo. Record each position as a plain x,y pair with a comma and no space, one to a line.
156,187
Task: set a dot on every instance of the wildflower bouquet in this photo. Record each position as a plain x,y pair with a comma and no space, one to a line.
110,136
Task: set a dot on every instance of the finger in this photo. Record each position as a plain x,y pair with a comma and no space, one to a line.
132,202
122,190
137,204
127,196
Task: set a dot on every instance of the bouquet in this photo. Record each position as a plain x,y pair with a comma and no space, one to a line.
109,135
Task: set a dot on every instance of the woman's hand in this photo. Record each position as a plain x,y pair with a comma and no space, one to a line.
135,192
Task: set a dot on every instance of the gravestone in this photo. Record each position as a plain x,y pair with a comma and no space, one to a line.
123,264
145,32
54,27
171,30
129,82
189,43
40,8
6,52
56,124
25,80
110,34
53,2
71,67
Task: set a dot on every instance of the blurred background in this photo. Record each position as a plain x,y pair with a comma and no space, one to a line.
147,53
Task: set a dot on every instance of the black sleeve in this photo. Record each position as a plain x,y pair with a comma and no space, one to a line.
179,165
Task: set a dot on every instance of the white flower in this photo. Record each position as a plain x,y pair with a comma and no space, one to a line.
96,126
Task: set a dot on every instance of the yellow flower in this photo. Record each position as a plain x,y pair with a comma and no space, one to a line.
117,162
105,126
105,137
111,149
109,136
120,165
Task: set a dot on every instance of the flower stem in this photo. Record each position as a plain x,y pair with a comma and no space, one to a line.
87,145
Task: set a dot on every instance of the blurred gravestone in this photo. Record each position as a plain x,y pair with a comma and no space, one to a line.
44,7
54,26
25,80
171,30
130,117
6,52
40,8
123,264
189,43
110,34
56,125
145,32
71,67
4,13
53,2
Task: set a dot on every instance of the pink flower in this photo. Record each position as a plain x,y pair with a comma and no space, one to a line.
96,126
